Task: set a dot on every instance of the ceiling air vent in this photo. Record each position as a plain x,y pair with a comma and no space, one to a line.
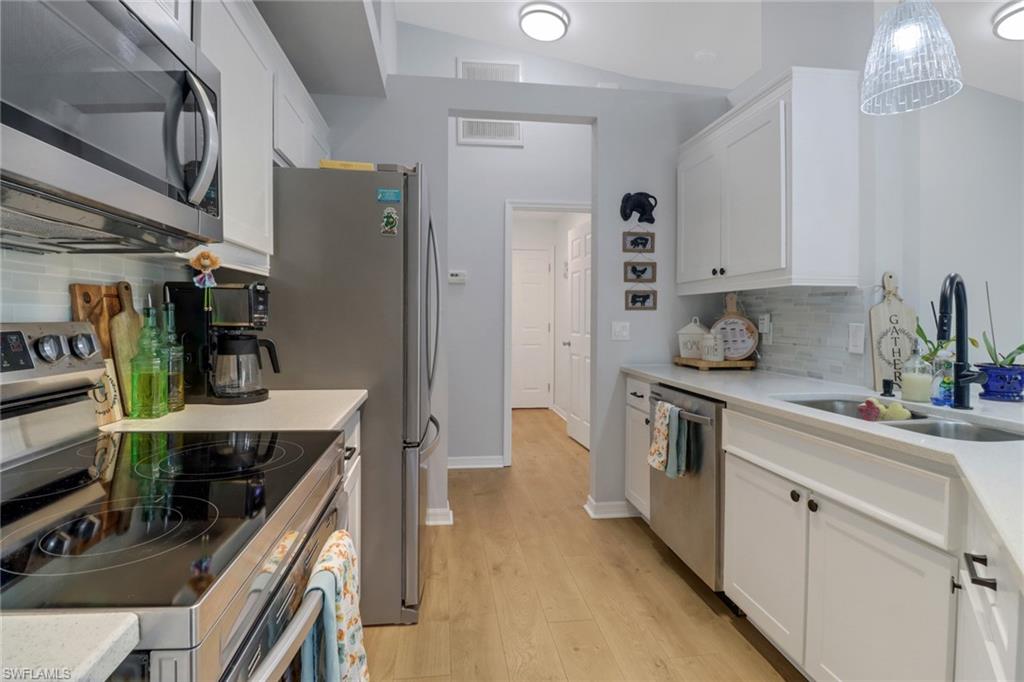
476,70
488,133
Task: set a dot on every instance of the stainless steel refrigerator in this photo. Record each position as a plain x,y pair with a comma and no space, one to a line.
354,304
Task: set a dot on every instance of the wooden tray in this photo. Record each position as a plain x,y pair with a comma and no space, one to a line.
705,365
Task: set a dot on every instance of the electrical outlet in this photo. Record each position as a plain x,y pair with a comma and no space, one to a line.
620,331
457,276
855,340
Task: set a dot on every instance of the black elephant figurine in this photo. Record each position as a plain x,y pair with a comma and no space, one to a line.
638,202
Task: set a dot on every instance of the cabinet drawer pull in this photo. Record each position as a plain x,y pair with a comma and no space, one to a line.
637,395
714,271
971,560
721,271
794,495
647,421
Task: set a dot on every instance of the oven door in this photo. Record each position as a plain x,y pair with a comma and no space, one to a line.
101,111
274,649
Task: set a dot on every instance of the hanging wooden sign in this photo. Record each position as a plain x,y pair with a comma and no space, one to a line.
892,324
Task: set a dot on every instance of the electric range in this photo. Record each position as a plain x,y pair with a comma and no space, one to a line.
199,534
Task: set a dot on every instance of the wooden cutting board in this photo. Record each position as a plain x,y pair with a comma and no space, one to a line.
893,331
97,303
739,335
124,339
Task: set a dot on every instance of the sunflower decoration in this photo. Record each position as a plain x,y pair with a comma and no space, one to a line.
205,262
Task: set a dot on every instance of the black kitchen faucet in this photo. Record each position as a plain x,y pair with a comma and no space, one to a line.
954,289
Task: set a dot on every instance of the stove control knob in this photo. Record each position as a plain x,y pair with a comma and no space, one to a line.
86,527
49,348
82,345
58,543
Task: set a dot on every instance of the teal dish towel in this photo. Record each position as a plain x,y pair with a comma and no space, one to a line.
678,441
325,582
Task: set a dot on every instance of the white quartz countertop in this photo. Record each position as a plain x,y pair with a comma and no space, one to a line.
992,472
310,410
66,646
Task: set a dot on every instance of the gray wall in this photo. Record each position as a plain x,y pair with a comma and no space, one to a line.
636,135
552,166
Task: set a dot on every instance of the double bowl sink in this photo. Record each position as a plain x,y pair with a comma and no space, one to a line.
926,424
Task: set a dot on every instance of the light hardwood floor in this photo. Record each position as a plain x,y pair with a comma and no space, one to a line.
526,586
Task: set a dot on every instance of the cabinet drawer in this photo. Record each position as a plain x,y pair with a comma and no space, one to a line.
914,500
995,614
637,394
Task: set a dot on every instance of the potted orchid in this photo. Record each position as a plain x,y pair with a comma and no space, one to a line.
1004,378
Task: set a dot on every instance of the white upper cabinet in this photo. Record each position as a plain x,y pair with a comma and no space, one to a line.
769,193
247,110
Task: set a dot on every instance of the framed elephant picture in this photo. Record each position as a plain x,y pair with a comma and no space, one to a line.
640,272
638,242
641,299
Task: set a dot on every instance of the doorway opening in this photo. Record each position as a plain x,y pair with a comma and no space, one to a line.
548,314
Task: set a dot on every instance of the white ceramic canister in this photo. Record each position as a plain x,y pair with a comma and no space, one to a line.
691,339
713,347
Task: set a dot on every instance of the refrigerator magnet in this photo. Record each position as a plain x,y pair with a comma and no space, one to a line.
389,222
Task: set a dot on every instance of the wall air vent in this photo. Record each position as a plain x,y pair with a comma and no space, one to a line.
477,70
488,133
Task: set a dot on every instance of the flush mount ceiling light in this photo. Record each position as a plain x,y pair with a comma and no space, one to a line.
544,21
1009,21
912,63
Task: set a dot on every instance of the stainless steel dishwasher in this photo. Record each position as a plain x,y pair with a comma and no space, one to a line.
686,512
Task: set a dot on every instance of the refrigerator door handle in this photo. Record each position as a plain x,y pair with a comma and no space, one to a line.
432,245
428,449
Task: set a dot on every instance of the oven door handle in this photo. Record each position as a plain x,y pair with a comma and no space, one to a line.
211,142
280,657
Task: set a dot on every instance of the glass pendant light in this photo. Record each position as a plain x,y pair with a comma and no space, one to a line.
912,63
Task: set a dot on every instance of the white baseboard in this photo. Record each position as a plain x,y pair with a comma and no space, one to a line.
440,516
484,462
619,509
560,412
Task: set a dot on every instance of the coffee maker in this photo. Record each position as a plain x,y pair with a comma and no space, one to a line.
222,351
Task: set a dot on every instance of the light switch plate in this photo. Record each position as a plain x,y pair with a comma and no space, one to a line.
855,341
764,322
457,276
620,331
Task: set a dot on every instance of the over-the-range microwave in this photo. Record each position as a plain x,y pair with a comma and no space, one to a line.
111,130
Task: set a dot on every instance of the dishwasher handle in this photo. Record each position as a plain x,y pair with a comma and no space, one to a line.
684,415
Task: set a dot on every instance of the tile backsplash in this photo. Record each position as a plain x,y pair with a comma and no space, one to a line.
35,288
810,331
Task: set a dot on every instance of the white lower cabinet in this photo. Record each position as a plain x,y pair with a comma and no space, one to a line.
638,472
843,595
880,605
354,511
765,553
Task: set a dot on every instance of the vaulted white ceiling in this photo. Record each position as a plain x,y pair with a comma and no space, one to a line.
715,44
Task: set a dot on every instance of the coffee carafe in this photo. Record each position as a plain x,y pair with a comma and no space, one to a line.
238,368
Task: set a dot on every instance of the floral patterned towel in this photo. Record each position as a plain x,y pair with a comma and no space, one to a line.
339,561
658,456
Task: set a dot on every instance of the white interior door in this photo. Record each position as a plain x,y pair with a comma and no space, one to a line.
532,304
580,274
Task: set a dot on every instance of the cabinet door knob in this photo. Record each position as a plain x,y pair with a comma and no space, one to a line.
812,505
794,495
647,421
714,271
721,271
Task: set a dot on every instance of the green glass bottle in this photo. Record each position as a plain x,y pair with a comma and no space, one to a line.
149,372
175,362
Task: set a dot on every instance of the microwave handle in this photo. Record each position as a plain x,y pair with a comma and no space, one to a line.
277,660
211,142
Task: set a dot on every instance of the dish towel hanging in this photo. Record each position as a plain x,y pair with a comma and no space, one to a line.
336,574
658,455
678,445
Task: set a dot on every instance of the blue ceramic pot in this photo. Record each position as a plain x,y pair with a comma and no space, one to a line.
1003,383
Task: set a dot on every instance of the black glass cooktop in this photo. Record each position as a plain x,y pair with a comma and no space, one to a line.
141,519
